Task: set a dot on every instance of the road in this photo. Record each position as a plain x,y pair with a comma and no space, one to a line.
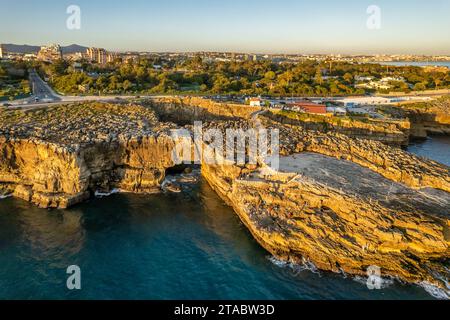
41,90
43,95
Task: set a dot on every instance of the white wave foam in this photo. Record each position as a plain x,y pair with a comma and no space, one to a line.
435,292
277,262
99,194
382,283
296,268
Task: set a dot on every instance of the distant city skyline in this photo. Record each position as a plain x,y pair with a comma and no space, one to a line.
248,26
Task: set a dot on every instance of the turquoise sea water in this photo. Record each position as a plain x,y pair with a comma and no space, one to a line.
436,148
165,246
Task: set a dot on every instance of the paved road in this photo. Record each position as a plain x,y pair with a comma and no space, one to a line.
41,90
44,95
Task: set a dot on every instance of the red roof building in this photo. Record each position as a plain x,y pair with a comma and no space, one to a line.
308,107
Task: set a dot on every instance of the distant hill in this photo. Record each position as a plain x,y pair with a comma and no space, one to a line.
74,48
35,49
17,48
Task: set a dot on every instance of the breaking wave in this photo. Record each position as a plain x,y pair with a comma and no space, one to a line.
296,268
99,194
435,292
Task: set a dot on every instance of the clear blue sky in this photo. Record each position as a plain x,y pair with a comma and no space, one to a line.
291,26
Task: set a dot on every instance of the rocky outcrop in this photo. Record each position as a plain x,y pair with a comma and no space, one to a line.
82,150
351,204
185,110
390,132
424,123
393,163
427,118
339,216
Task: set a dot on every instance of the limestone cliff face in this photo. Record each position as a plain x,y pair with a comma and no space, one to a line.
344,204
41,172
424,123
395,133
189,109
352,204
426,118
53,176
57,157
330,219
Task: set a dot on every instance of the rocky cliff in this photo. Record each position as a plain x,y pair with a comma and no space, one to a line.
390,132
343,204
427,118
393,163
340,217
57,157
188,109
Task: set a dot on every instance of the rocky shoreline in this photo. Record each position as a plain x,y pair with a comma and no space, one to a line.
58,157
341,203
426,119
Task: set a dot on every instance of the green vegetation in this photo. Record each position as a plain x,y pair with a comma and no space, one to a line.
195,76
13,81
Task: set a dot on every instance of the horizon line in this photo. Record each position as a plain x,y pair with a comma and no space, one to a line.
229,51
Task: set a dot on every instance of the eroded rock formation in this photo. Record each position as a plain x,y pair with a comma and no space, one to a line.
57,157
392,163
340,216
390,132
427,118
352,204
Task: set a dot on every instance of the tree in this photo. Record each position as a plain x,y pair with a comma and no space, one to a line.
420,87
318,77
59,68
437,83
270,75
348,77
126,85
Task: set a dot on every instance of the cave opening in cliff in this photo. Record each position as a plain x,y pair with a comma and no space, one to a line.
180,169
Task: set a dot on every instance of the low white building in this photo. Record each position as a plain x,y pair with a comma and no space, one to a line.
367,101
256,102
338,111
363,78
389,79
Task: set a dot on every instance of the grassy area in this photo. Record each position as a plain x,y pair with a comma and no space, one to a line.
14,82
14,90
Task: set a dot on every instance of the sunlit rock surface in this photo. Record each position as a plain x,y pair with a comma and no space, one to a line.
340,216
58,156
